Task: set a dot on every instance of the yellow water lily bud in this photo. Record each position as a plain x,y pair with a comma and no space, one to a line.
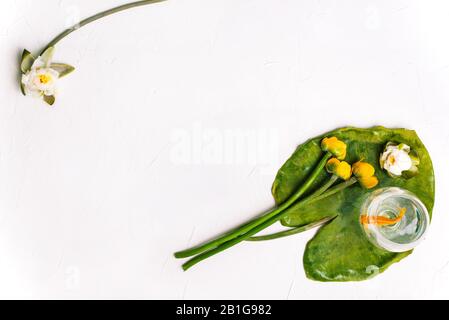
363,169
368,182
334,146
342,169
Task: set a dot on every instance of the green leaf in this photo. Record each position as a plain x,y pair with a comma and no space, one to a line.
62,68
49,99
47,55
27,61
340,250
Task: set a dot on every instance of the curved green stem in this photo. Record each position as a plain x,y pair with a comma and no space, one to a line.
98,16
242,230
203,256
291,231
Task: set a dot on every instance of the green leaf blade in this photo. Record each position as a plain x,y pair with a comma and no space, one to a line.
22,88
62,68
50,100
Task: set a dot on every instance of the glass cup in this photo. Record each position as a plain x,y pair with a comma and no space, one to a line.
394,219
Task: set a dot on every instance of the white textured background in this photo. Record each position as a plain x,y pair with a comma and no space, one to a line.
173,126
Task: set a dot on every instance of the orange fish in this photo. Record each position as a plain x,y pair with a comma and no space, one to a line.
383,221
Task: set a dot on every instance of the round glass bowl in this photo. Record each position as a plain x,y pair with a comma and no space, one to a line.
386,227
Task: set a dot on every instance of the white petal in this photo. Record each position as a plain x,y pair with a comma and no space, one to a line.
396,170
38,63
404,161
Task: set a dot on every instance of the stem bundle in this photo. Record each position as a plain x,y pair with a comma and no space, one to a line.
248,230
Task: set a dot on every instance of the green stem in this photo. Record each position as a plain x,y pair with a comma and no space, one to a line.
317,193
242,230
291,231
203,256
322,189
98,16
309,200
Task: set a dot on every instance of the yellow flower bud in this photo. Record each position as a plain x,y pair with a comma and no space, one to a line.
365,174
368,182
342,169
363,169
334,146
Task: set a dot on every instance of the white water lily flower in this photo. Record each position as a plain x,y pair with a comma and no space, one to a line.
396,159
39,82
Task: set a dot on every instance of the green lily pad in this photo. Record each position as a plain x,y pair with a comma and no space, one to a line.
340,251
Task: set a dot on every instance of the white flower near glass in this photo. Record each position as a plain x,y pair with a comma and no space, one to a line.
40,75
399,160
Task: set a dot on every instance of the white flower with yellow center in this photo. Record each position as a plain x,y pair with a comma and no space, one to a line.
39,82
398,161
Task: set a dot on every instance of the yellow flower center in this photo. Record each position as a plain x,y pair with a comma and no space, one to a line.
44,78
392,160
